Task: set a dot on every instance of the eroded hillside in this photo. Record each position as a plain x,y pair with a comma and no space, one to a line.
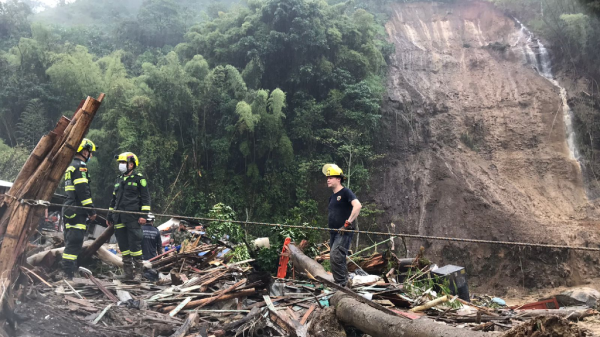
478,146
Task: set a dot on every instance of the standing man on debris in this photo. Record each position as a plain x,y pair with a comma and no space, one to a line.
77,187
344,207
181,234
152,241
130,194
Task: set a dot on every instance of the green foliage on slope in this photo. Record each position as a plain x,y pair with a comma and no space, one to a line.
242,107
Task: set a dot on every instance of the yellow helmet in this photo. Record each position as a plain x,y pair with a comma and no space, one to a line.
332,170
128,157
87,144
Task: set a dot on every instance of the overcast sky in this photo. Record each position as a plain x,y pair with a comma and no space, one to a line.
49,3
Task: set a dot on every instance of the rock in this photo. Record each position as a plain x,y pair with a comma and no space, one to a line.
579,296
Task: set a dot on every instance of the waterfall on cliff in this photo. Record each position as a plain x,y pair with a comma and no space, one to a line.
543,65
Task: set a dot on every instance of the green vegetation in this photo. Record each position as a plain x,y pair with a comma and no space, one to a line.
239,107
11,160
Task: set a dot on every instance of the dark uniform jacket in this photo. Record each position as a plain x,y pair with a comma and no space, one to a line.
130,194
77,187
152,242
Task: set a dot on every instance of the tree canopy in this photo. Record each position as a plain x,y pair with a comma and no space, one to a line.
240,106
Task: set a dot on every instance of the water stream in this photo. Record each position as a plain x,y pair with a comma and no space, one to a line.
542,63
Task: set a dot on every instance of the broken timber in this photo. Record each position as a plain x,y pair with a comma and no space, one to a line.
38,180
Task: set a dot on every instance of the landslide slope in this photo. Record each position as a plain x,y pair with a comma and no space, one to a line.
477,148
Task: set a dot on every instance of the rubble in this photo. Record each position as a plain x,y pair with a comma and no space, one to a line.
199,292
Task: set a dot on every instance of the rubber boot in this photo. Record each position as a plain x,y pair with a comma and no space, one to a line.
139,269
69,274
68,268
128,268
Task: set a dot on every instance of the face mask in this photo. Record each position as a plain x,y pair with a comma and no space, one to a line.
123,167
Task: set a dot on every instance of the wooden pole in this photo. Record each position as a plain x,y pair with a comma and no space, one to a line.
40,185
31,165
100,240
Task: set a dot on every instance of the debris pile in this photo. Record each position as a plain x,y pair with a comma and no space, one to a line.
199,291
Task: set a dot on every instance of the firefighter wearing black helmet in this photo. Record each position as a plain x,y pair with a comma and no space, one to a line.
77,188
130,194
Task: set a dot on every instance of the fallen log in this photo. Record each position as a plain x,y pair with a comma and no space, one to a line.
305,264
197,303
377,323
102,253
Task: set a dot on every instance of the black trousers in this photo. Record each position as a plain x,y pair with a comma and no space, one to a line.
339,243
75,230
129,237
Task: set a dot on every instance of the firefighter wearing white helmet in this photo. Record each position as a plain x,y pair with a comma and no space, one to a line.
77,188
130,194
343,209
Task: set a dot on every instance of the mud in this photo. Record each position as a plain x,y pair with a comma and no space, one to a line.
327,325
477,149
38,318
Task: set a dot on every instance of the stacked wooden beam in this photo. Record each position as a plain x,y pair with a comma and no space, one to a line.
38,180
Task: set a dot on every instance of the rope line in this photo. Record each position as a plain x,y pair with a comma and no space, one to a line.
341,230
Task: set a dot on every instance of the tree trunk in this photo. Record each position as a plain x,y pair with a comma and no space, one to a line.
379,324
305,264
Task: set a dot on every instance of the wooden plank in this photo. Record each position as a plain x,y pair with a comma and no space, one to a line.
103,289
180,306
307,314
281,319
79,301
291,313
189,323
196,303
269,302
222,293
102,314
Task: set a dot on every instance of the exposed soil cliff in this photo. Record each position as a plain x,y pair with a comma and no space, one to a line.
477,148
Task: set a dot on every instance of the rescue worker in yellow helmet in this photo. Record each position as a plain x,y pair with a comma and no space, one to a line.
77,188
130,194
343,209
